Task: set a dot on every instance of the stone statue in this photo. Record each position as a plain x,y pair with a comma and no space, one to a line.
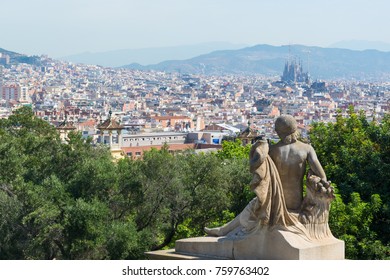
290,157
278,223
268,208
277,181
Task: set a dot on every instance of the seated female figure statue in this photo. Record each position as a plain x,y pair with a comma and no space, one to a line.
278,171
268,208
291,158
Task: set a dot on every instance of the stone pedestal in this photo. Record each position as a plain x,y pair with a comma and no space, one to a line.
263,244
171,254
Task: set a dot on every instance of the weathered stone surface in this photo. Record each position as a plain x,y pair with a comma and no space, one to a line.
264,244
172,255
286,245
218,247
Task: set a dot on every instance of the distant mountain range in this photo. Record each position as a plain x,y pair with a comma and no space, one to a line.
321,63
361,45
148,55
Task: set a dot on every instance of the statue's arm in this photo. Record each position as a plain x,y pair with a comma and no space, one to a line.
315,165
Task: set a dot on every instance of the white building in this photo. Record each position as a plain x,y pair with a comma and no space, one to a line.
153,139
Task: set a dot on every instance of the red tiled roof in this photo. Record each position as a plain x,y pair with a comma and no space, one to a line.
110,124
90,123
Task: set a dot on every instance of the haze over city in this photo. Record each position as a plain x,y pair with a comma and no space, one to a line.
61,28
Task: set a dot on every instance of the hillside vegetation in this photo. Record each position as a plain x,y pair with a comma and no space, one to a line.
72,201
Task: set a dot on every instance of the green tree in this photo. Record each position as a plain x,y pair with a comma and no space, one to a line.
234,149
182,191
355,156
12,232
59,200
236,156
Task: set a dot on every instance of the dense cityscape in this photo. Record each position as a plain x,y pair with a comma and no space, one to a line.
151,108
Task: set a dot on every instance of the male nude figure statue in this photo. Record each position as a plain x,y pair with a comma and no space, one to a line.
290,157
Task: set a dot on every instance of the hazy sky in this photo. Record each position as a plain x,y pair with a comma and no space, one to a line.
64,27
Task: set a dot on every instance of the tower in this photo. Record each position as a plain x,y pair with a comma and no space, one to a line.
113,128
64,128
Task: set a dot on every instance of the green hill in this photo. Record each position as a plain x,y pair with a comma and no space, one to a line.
16,58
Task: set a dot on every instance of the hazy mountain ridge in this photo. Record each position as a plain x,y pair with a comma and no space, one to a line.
361,45
21,58
6,52
323,63
144,56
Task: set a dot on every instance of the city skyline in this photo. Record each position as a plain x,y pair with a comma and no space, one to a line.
69,27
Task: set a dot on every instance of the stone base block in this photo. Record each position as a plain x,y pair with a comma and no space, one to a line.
265,245
173,255
216,247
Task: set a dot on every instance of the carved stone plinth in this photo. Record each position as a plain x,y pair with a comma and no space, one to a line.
263,244
171,254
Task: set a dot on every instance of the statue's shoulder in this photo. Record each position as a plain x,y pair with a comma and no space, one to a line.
275,150
302,145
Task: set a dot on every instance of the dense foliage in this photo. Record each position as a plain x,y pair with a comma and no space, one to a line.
355,154
73,201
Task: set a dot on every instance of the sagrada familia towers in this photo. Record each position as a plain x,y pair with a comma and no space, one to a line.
293,73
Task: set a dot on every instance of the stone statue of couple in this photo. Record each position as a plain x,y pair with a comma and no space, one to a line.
278,175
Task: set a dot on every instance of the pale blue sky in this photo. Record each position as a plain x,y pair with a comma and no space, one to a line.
64,27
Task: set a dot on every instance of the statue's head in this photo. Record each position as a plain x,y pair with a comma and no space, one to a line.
286,128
